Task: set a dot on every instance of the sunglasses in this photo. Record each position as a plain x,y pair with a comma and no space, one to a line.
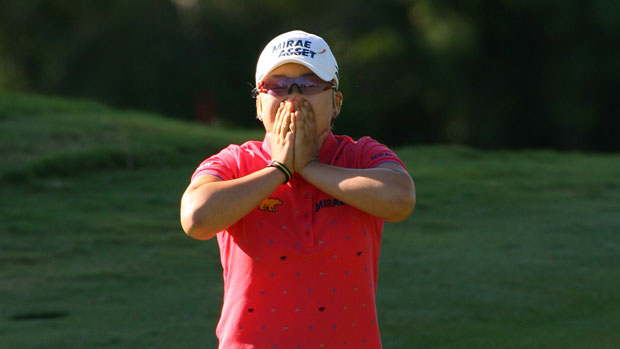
279,86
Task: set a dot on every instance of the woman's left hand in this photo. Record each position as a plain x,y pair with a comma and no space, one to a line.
307,141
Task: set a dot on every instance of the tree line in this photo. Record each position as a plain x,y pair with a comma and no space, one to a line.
491,74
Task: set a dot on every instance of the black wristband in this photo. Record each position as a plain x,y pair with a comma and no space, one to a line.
282,167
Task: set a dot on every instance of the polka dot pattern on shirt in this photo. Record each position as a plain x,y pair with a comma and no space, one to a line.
304,273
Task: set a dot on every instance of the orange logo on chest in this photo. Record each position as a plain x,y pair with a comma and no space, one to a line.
269,204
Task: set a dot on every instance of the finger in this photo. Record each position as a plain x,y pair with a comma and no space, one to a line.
286,120
309,110
291,106
293,123
305,113
300,113
290,137
297,105
276,125
308,119
281,107
305,131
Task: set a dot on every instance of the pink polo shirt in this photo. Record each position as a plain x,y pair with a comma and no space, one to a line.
300,270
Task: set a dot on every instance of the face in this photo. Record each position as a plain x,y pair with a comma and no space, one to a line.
325,104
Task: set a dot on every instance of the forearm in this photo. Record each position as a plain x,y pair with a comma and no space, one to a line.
382,192
214,206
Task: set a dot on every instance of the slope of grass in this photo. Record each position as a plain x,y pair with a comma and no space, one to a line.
505,249
47,136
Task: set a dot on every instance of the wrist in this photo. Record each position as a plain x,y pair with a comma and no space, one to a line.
281,167
309,166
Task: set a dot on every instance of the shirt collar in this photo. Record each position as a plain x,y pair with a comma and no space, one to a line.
328,149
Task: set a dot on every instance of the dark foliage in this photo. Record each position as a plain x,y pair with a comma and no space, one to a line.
485,73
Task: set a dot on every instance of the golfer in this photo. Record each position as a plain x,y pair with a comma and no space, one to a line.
298,216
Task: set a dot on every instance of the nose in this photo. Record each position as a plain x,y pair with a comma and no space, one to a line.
291,89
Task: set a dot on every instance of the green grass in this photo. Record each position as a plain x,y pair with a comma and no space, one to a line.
505,249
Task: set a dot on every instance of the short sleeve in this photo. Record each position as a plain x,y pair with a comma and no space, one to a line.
222,165
373,153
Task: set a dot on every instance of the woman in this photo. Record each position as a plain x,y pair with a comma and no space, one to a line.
299,216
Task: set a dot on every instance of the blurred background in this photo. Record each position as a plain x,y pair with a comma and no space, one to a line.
486,73
100,105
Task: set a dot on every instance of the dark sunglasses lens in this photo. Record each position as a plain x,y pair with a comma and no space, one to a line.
312,84
313,89
275,87
312,80
281,86
278,92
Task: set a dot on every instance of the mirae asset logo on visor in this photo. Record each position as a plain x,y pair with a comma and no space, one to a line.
295,48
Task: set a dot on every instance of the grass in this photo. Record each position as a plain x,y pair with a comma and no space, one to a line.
505,249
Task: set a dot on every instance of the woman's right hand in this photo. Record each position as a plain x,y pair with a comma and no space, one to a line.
282,138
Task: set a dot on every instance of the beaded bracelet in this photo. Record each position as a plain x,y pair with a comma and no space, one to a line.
282,167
